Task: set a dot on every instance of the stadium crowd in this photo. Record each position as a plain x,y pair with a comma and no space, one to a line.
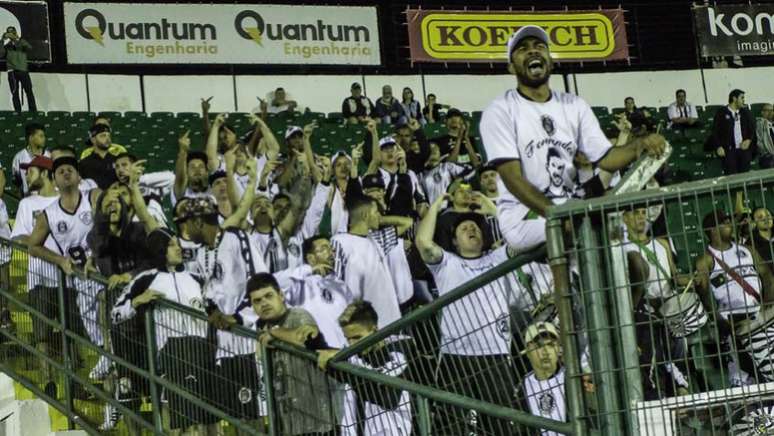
407,219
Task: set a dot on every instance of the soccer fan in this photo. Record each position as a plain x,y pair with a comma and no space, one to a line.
278,103
191,175
35,135
403,195
762,234
388,109
681,113
357,107
475,330
531,114
733,134
439,173
385,411
764,132
432,109
462,200
412,109
542,390
305,400
185,356
154,186
68,222
98,164
361,263
345,171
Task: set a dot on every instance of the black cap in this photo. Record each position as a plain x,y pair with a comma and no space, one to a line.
373,181
356,85
714,218
489,166
453,113
96,129
65,160
217,175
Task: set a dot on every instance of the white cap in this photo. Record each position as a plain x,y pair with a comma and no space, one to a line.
292,130
387,140
538,328
526,32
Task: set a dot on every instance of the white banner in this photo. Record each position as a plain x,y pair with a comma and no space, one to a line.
132,33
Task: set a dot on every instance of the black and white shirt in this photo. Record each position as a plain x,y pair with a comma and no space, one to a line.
435,181
546,398
39,272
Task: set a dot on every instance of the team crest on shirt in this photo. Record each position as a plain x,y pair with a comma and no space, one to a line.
85,217
245,395
294,250
503,327
437,177
196,303
742,254
188,254
327,296
548,124
217,271
546,403
61,227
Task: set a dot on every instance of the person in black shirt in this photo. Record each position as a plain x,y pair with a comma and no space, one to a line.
456,126
98,165
357,107
387,108
762,234
432,109
733,134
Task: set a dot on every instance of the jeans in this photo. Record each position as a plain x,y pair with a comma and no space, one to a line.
16,81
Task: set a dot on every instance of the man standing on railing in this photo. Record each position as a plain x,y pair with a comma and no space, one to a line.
519,128
475,340
68,222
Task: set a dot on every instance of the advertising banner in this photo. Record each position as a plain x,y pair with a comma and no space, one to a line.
481,36
735,30
124,33
30,19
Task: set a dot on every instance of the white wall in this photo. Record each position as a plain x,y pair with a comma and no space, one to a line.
324,93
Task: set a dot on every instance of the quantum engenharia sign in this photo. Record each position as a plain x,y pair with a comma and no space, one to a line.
131,33
735,30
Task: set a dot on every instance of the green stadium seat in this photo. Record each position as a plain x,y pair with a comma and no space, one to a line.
111,115
600,110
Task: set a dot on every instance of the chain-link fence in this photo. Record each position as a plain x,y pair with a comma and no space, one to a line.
671,307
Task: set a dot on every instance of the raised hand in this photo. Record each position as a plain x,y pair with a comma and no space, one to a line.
184,142
206,104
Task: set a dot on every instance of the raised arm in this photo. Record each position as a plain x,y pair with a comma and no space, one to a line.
373,166
314,169
235,220
401,223
212,143
181,164
138,202
428,249
206,116
233,197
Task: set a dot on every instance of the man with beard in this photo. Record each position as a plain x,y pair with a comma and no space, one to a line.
36,146
191,175
152,185
98,165
519,128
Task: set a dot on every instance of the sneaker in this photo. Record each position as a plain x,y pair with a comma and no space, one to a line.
50,389
111,418
101,369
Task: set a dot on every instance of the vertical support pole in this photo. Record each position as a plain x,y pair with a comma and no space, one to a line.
150,332
268,386
563,298
599,328
626,327
68,363
423,409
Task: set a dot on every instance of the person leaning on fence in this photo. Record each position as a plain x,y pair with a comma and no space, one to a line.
475,331
302,392
733,282
385,411
184,358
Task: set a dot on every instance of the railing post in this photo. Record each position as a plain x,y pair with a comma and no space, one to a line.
267,375
63,316
563,298
150,332
599,330
423,413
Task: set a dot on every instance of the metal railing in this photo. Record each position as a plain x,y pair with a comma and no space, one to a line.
680,343
69,316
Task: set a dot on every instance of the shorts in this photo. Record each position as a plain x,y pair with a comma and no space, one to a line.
46,301
239,387
187,362
520,233
130,343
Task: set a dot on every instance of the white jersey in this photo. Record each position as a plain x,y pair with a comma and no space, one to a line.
325,298
392,245
39,272
339,213
235,261
417,191
188,193
659,282
69,230
729,294
479,323
545,137
23,157
436,181
546,398
539,283
195,256
362,265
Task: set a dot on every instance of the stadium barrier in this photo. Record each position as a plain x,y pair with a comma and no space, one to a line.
156,353
672,347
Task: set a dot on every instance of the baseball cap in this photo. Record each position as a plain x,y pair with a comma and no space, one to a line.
386,141
526,32
292,130
539,328
356,85
220,174
39,161
65,160
714,218
196,207
96,129
453,112
373,181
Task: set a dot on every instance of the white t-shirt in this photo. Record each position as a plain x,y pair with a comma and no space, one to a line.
479,323
729,294
514,127
546,398
69,230
392,245
39,272
436,181
23,157
686,111
362,265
